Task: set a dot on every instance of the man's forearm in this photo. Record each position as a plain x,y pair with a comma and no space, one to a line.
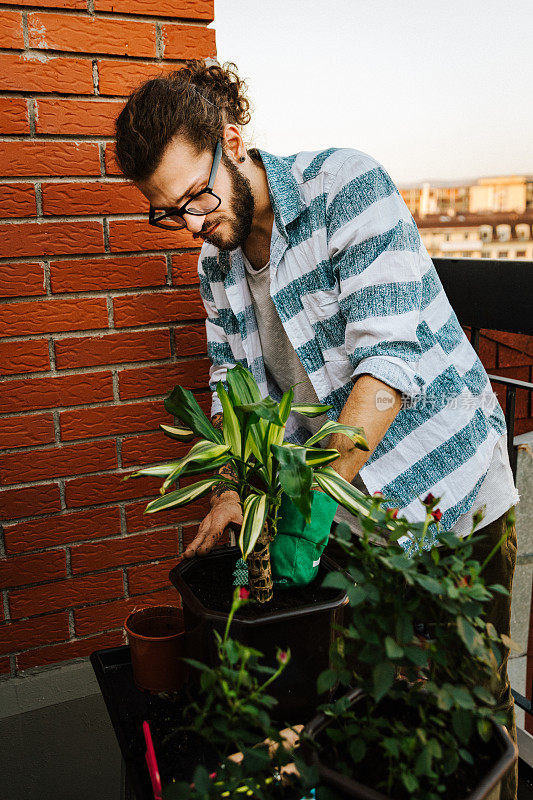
226,470
372,405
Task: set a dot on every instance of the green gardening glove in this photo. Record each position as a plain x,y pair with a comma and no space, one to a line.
297,547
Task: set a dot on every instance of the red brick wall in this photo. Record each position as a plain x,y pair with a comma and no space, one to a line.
511,356
100,317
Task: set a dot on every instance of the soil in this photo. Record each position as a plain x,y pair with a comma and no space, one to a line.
213,586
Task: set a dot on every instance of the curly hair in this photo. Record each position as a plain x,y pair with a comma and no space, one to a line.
196,102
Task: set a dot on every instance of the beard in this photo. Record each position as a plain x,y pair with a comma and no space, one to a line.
242,209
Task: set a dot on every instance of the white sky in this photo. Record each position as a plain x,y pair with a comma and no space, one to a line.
433,90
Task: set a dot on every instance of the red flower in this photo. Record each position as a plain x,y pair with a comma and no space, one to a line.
464,581
244,594
437,514
282,656
377,494
428,499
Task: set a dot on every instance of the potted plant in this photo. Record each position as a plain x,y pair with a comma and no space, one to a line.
230,718
269,472
418,720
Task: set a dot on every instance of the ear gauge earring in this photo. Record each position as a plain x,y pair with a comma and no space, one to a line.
242,158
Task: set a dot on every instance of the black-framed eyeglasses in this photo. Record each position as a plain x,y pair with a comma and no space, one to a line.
203,202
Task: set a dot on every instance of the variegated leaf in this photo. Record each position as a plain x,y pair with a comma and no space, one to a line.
310,410
181,497
255,509
181,434
203,452
329,427
230,424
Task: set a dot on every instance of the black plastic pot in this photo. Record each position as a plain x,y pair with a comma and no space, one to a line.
303,626
504,756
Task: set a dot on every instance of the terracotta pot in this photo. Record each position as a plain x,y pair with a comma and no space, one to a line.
157,643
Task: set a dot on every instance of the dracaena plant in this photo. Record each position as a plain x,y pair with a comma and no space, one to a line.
264,465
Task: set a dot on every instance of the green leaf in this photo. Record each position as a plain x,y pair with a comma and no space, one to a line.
242,386
462,724
404,628
430,584
181,403
203,452
350,497
230,424
326,681
357,748
267,409
255,509
181,434
392,648
410,782
484,695
157,471
510,643
383,676
183,496
471,638
310,410
336,580
295,477
355,434
484,728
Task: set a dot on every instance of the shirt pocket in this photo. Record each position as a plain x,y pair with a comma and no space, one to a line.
328,322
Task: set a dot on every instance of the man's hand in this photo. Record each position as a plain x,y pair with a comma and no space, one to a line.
223,512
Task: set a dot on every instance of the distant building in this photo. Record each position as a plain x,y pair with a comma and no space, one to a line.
512,193
501,235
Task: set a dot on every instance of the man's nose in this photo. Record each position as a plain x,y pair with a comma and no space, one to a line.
195,223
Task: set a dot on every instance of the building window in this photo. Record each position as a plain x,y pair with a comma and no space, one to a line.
465,255
485,254
446,237
466,235
503,253
520,253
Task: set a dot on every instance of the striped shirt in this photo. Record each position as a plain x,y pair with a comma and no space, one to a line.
357,292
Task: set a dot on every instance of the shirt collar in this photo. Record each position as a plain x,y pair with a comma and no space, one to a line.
283,189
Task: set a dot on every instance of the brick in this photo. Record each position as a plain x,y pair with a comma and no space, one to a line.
523,426
26,431
122,77
63,390
190,340
111,420
125,550
150,448
518,341
107,616
36,72
125,272
5,666
27,633
83,34
25,157
137,520
187,41
152,309
11,30
488,352
29,501
509,357
17,200
28,356
92,198
150,577
20,570
112,348
63,528
76,648
111,166
38,239
149,381
69,593
52,314
14,115
64,115
64,4
69,459
185,9
185,268
127,235
22,280
109,488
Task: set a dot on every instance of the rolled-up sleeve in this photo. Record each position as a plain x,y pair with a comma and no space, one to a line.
374,246
218,347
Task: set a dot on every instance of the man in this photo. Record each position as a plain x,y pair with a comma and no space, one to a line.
312,271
